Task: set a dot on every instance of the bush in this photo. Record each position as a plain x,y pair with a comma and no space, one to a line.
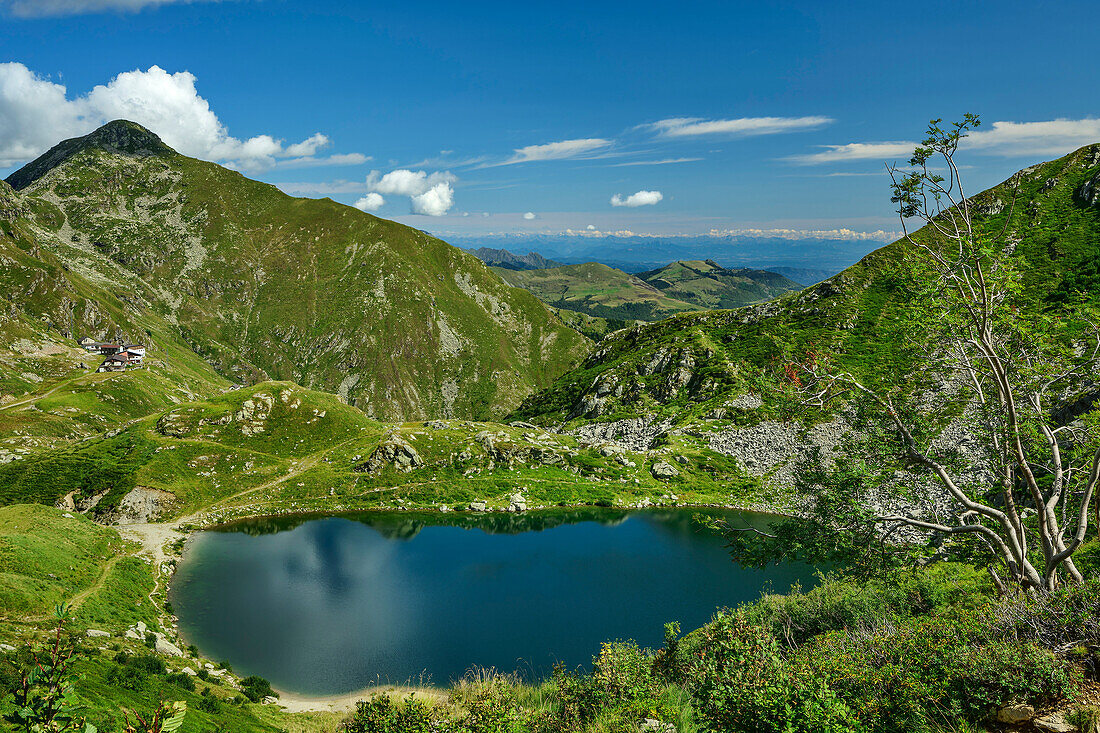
256,688
209,702
381,714
181,680
742,684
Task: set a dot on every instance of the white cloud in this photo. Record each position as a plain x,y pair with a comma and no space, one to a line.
641,198
591,227
311,161
430,194
742,126
562,150
529,215
42,8
436,201
857,151
1049,138
371,202
36,113
404,182
663,161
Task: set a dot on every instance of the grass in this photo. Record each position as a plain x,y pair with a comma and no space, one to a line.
47,558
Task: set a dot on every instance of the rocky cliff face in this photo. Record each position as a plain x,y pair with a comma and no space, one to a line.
264,285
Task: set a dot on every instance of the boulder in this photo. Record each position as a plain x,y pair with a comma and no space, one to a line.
1054,723
6,648
518,503
97,633
477,506
137,631
392,451
664,470
652,725
167,648
1015,714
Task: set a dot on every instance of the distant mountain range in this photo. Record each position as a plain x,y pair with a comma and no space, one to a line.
507,260
812,259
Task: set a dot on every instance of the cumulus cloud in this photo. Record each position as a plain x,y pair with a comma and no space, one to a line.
561,150
371,202
436,201
742,126
1010,139
36,113
529,215
641,198
44,8
430,194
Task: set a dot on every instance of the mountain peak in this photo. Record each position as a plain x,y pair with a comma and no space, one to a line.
117,136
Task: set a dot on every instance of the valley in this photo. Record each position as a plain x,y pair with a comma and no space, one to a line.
307,360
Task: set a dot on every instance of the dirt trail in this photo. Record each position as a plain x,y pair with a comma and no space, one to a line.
43,395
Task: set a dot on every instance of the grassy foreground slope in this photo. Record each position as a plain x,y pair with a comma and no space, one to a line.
262,285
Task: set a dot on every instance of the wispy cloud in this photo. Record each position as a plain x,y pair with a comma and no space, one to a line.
561,150
312,161
47,8
1008,139
663,161
738,127
856,151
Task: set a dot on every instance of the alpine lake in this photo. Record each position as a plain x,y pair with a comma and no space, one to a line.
328,605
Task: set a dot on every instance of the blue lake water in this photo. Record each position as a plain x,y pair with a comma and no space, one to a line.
324,606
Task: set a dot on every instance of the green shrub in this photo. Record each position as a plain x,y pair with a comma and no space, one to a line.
256,688
181,680
742,684
381,714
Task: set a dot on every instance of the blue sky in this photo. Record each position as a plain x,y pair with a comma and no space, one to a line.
651,117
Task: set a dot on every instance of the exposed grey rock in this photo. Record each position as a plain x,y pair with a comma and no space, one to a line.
652,725
143,504
1089,192
1054,723
1015,714
392,451
97,633
167,648
477,506
664,470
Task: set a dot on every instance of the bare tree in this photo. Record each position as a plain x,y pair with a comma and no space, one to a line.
1019,366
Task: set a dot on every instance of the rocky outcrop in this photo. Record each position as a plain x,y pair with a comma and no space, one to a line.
392,452
253,413
664,471
143,504
1089,191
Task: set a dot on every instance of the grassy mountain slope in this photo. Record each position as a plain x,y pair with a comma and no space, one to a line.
277,447
731,365
597,290
264,285
706,283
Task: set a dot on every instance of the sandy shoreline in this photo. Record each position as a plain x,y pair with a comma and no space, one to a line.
345,703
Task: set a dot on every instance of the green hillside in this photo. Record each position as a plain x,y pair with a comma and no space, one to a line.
597,290
262,285
711,365
707,284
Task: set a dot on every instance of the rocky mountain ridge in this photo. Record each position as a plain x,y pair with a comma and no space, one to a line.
261,285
